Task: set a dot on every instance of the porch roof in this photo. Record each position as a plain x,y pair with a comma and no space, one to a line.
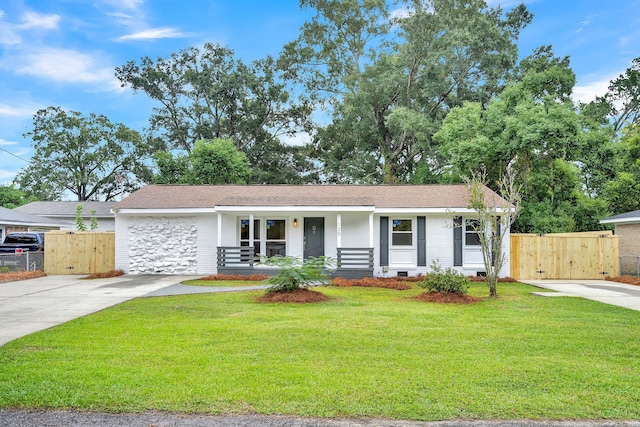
377,196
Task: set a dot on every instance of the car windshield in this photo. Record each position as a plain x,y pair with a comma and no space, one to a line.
20,238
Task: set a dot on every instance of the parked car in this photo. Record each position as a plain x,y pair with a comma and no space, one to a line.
27,241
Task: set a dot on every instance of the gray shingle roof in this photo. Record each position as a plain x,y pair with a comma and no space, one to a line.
380,196
68,209
624,217
13,217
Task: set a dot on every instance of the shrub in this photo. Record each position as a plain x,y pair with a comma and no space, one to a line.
445,280
295,274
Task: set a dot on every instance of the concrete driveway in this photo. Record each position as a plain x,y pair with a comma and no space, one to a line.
613,293
29,306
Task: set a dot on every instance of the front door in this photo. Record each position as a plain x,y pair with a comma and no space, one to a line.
313,237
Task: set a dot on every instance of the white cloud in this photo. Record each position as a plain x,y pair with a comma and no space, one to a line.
588,92
39,21
4,142
298,140
124,4
154,33
19,111
67,66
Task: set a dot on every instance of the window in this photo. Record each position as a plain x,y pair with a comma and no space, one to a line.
402,232
276,243
244,235
471,236
269,236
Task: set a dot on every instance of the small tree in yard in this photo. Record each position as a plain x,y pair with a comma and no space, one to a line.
295,273
493,217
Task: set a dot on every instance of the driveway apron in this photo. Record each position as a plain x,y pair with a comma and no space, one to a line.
29,306
604,291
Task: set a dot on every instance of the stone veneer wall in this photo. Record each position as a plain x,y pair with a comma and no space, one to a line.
163,245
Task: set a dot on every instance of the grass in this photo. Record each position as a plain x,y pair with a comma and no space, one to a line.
366,352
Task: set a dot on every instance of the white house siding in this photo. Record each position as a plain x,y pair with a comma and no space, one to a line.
122,243
355,230
207,240
439,236
163,245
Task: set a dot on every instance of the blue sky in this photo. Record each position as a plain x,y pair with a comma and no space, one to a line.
63,53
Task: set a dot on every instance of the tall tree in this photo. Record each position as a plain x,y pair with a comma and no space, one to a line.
89,157
533,127
623,97
391,100
206,93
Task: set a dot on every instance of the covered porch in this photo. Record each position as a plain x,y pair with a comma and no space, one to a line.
245,236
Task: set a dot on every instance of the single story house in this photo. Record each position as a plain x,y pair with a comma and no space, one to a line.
627,228
379,230
12,221
65,212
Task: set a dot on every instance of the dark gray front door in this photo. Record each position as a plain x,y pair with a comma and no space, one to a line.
313,237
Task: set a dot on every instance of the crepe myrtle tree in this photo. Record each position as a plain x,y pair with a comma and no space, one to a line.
493,217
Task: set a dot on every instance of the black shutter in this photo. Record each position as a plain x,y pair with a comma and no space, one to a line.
422,241
457,241
494,241
384,240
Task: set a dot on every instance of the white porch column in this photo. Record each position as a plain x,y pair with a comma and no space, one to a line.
250,230
371,230
219,229
339,231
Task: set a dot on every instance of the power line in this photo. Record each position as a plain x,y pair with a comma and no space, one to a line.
14,155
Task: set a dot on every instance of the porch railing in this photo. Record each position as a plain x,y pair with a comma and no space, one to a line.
354,262
236,259
351,262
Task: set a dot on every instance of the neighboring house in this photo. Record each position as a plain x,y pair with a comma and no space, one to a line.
66,212
12,221
381,230
627,228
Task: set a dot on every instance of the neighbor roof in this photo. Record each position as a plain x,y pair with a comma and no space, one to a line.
379,196
624,217
11,217
68,209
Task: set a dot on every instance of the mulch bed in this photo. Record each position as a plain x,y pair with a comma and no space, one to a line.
303,296
629,280
500,279
249,278
12,276
374,282
447,298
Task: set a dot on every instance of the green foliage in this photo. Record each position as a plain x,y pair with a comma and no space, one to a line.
80,225
445,280
210,162
205,93
87,156
294,273
93,221
397,78
11,197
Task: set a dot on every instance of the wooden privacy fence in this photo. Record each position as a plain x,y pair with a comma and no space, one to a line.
590,255
81,252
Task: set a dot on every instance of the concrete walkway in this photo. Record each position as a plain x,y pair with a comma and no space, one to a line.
604,291
29,306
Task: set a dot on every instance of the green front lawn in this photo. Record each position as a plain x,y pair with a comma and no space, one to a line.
367,352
